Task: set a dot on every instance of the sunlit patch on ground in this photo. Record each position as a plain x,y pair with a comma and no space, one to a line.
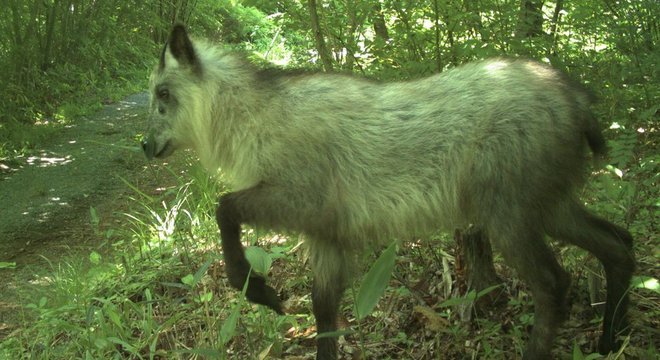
45,159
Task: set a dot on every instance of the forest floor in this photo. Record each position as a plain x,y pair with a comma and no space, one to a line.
47,197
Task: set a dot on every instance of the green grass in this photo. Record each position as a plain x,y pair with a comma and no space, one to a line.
161,293
157,294
19,139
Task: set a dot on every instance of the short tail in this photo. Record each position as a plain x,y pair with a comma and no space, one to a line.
595,137
584,99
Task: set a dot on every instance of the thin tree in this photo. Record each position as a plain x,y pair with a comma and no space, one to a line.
324,54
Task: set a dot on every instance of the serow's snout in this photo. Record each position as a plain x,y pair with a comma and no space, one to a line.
149,148
157,149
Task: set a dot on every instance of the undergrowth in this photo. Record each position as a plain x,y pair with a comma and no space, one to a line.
161,293
24,126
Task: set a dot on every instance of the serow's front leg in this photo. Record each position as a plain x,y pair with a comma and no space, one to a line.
229,218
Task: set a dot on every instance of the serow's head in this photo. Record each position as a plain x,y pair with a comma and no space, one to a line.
173,85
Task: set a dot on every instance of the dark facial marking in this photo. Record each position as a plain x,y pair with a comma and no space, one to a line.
162,93
164,99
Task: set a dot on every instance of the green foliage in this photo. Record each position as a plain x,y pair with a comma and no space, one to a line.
470,297
578,355
146,302
160,289
64,59
375,282
259,259
646,282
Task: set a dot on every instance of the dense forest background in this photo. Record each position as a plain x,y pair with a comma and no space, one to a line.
150,295
54,51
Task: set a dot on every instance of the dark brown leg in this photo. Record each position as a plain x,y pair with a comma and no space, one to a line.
524,248
325,303
612,245
332,267
229,217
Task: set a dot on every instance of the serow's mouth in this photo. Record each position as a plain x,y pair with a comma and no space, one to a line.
151,149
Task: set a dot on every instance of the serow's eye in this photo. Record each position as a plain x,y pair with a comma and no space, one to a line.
163,94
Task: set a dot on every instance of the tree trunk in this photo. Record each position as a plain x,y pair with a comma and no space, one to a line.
479,260
380,27
555,17
555,21
16,23
326,59
351,44
530,19
475,271
48,45
436,18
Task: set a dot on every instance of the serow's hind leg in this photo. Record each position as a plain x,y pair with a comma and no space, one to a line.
526,251
331,269
612,245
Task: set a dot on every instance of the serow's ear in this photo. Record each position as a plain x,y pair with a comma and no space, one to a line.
180,49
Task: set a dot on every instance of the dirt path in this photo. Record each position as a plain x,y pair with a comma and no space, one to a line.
45,201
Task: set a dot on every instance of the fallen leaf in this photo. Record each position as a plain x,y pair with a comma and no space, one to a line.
429,318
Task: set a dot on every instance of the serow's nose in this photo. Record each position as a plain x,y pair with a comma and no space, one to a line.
148,148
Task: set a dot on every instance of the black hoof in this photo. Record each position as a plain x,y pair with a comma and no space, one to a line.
260,293
608,346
